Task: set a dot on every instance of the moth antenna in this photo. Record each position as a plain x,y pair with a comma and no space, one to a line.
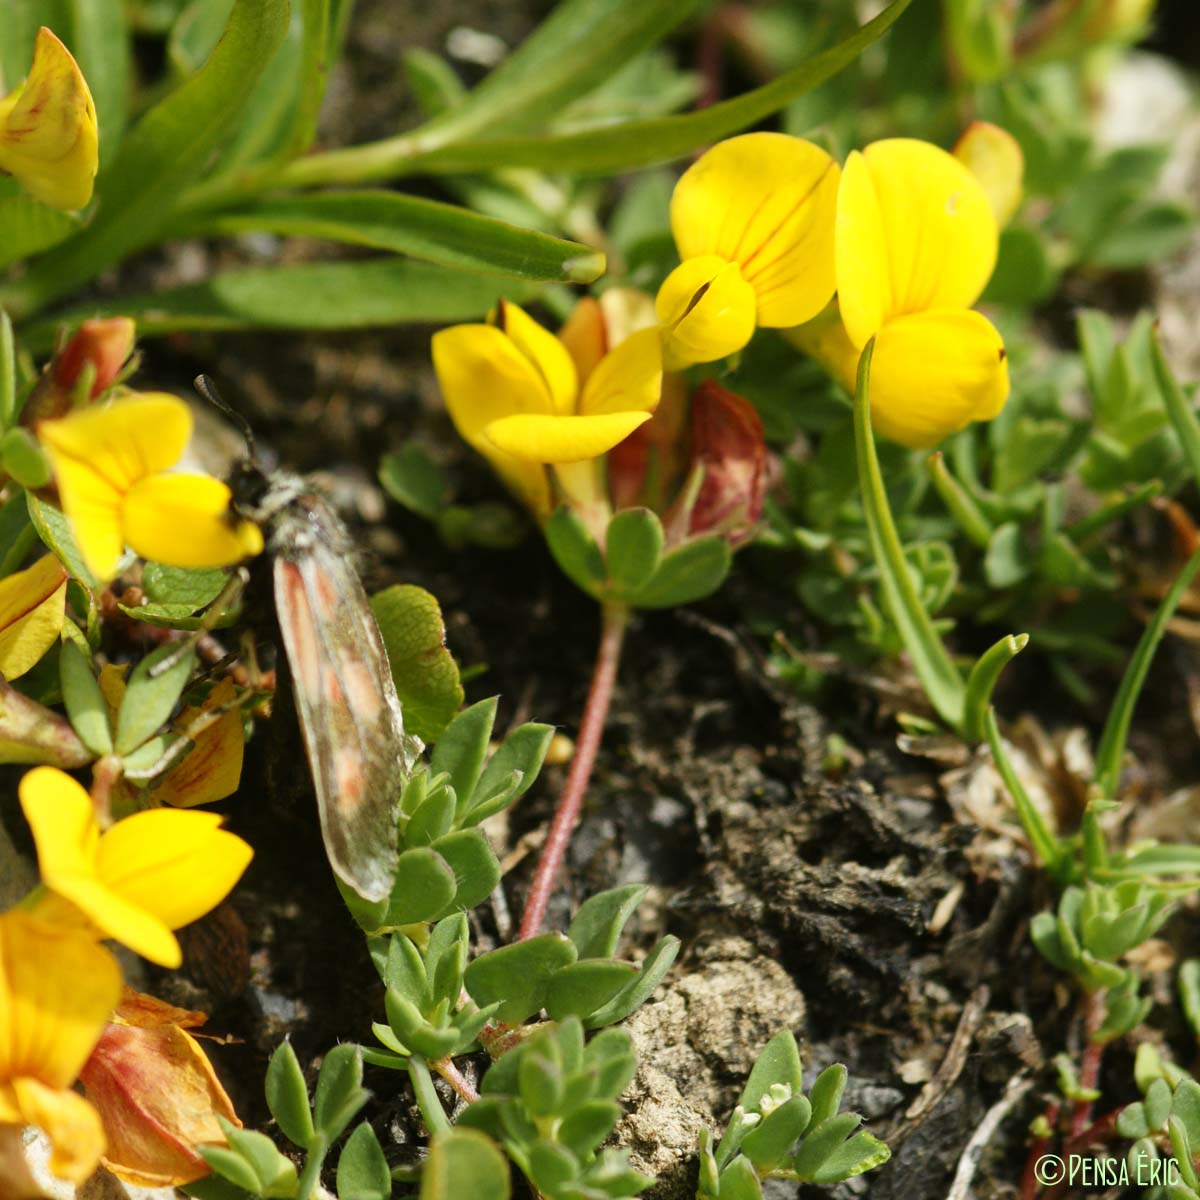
208,389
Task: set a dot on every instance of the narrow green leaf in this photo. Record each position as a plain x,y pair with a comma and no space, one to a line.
465,1162
863,1152
767,1143
425,673
424,229
821,1142
1179,409
136,191
1111,751
462,748
520,754
340,1093
83,700
597,925
982,680
31,227
778,1063
287,1096
55,531
316,295
151,694
653,970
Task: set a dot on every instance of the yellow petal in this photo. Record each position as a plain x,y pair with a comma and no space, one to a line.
994,157
825,339
585,337
767,202
63,823
173,865
212,768
627,379
185,521
484,377
563,439
915,231
544,352
69,1121
98,454
934,373
707,311
57,988
48,134
32,607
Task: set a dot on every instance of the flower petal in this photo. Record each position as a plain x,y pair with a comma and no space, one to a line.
63,823
185,521
212,768
69,1121
173,865
544,352
767,202
585,337
32,607
57,987
934,373
707,311
915,232
563,439
483,378
48,134
627,379
995,158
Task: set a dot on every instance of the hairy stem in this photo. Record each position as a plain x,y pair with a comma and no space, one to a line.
614,620
456,1079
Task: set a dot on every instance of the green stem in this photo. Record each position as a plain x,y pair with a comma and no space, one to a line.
935,669
1187,426
310,1176
982,682
962,506
431,1108
8,374
1111,750
1113,511
1045,845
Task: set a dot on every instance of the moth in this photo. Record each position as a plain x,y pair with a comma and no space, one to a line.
350,715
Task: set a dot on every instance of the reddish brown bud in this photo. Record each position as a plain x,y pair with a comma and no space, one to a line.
104,345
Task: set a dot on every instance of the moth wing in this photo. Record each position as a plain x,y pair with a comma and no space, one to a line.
349,714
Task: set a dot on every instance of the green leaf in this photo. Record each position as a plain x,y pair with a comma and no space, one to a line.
55,531
195,586
362,1170
149,697
340,1093
826,1093
83,700
739,1181
779,1063
423,889
585,1128
633,545
598,923
575,551
413,479
31,227
275,1174
425,673
22,458
137,189
1189,998
516,976
1147,236
694,570
414,1031
630,144
287,1096
510,772
463,746
434,83
767,1143
982,680
424,229
1024,274
821,1142
863,1152
464,1162
653,970
582,988
471,859
316,295
1179,409
17,534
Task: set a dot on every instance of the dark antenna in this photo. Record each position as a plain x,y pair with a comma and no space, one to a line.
208,389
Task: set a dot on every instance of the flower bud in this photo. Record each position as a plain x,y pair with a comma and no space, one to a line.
729,448
648,466
93,358
156,1093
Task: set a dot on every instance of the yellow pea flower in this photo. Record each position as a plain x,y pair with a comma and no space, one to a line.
48,134
517,396
995,158
149,874
916,245
57,988
32,607
753,220
111,466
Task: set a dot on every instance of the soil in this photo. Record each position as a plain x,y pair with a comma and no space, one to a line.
867,904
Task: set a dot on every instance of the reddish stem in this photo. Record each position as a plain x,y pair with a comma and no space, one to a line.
1029,1180
1089,1067
456,1079
614,620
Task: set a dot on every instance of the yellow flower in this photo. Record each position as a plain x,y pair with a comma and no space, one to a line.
149,874
57,988
111,467
48,134
517,396
32,607
916,245
753,220
995,158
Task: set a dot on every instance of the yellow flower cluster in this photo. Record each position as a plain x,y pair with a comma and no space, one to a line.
770,230
146,876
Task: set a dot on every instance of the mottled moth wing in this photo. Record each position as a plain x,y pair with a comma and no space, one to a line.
349,713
